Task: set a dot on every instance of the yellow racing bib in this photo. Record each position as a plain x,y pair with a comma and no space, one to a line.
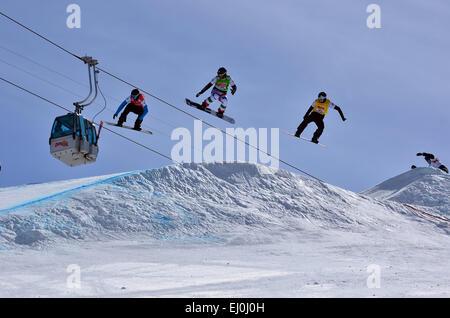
321,108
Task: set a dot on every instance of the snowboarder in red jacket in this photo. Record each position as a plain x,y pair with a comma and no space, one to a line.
136,104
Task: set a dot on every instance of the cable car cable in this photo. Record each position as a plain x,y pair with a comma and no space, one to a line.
41,36
68,110
153,117
39,78
211,125
159,99
42,65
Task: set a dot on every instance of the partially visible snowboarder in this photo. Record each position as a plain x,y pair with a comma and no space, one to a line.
433,161
316,113
219,92
136,104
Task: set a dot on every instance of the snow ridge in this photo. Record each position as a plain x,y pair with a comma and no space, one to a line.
236,203
426,188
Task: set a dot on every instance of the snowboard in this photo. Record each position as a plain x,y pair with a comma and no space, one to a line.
302,138
128,127
209,111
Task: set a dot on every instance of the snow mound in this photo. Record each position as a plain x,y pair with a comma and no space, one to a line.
428,188
14,196
236,203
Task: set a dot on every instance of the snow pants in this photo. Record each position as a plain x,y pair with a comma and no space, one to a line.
217,95
133,109
317,119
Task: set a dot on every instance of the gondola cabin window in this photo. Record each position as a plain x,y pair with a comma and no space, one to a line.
62,126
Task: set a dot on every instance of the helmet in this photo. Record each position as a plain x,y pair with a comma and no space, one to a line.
222,71
322,95
135,92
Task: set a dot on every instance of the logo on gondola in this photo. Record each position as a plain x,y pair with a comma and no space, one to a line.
62,144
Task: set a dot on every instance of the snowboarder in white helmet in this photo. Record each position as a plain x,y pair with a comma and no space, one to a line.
221,83
433,161
316,113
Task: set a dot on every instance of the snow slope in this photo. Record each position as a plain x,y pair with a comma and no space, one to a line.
221,229
26,194
426,188
191,200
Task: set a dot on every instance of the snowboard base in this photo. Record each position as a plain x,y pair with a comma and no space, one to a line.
209,111
128,127
302,138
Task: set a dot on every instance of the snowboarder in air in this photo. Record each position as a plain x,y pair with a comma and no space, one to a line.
136,104
219,92
316,113
433,161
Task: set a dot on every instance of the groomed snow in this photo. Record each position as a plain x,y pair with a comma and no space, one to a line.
220,230
427,188
26,194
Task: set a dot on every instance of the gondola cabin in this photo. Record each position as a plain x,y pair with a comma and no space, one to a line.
73,140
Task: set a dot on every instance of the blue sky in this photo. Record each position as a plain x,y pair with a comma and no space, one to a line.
391,83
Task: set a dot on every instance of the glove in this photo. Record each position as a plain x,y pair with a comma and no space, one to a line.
344,119
198,94
233,90
114,116
419,154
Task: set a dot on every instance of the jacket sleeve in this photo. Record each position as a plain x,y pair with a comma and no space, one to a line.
145,113
340,112
205,88
121,106
145,110
233,86
308,112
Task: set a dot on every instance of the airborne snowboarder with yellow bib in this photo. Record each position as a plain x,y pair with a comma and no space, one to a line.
316,113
